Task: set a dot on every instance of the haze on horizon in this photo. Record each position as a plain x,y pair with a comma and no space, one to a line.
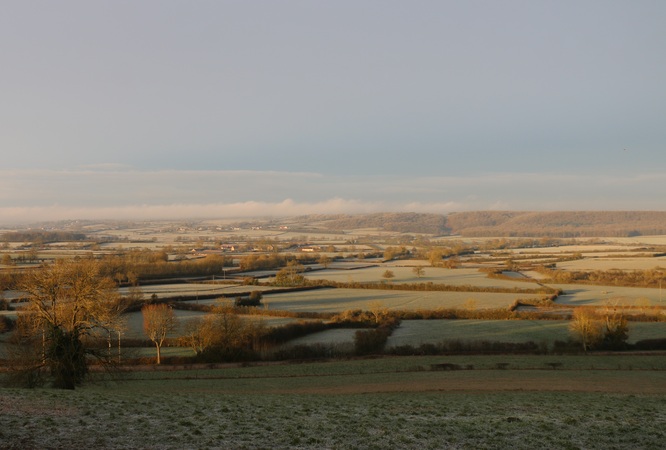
169,109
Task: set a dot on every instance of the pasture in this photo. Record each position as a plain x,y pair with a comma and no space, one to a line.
193,289
589,294
417,332
598,263
338,300
404,274
386,403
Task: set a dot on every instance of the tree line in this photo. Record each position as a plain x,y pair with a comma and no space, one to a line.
41,237
653,278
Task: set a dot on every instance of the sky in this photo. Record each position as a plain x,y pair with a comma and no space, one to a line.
161,109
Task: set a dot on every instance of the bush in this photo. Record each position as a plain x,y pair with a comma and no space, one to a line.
307,352
371,341
254,299
6,324
651,344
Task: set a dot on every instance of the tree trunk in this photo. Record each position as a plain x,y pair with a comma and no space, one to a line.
158,353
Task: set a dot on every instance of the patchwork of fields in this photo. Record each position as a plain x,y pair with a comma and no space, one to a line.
549,400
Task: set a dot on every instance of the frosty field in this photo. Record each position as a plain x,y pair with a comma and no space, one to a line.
356,404
405,274
588,294
337,300
417,332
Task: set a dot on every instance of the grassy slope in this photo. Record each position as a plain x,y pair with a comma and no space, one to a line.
353,404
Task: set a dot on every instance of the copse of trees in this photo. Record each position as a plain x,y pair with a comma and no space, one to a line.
594,330
614,277
290,275
224,336
269,261
391,253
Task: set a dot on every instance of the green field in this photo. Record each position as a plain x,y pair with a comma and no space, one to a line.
590,402
417,332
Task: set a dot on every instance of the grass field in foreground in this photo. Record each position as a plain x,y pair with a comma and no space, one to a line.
327,406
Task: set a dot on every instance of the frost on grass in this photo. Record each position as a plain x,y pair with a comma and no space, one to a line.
114,418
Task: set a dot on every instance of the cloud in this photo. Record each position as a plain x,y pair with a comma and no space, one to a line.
284,208
36,195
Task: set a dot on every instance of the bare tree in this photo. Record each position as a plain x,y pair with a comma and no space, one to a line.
418,271
158,321
325,261
587,327
290,275
378,310
200,334
68,301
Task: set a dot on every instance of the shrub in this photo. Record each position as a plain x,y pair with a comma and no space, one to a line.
371,341
6,324
308,352
651,344
254,299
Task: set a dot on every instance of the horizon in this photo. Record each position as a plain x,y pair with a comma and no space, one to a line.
164,110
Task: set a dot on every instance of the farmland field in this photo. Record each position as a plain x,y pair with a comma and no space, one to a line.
328,337
416,332
337,300
436,275
367,404
639,263
194,289
588,294
550,400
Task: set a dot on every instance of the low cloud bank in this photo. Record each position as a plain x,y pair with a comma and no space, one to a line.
30,196
20,215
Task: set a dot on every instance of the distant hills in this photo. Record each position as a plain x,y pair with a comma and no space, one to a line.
565,224
558,223
399,222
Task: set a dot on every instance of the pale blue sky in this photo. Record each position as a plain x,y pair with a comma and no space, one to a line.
110,106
